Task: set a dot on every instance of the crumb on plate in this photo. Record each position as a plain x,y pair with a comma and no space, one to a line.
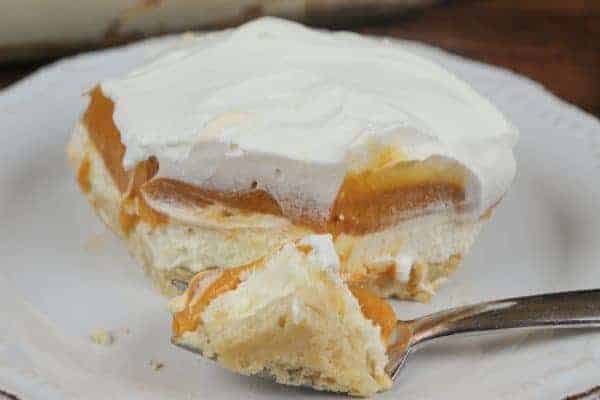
156,365
102,337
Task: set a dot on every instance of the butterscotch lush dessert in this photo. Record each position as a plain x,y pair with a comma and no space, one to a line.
236,143
289,316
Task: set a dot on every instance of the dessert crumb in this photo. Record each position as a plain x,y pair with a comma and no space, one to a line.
102,337
96,242
156,365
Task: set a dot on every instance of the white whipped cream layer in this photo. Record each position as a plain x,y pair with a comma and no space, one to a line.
275,105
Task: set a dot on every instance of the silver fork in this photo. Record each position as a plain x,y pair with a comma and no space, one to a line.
576,309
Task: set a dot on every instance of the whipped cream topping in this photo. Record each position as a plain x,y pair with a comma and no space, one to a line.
275,105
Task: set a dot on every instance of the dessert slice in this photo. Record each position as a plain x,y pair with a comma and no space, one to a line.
290,316
198,160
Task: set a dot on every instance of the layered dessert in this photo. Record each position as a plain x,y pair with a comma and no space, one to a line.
291,317
235,143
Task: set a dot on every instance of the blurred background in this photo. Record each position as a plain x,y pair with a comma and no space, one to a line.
555,42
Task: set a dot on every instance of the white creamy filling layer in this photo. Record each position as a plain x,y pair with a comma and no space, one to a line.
173,245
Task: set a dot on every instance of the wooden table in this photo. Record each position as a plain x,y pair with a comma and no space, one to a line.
556,42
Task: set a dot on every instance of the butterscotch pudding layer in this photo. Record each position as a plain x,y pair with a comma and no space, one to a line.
291,317
176,229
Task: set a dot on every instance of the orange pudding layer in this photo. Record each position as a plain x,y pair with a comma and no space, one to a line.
375,199
368,201
102,131
106,138
376,310
83,175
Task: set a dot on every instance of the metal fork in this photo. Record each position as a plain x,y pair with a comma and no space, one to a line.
576,309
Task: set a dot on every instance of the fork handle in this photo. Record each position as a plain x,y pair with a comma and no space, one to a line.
576,309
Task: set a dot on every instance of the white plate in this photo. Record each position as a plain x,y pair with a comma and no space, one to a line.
63,274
